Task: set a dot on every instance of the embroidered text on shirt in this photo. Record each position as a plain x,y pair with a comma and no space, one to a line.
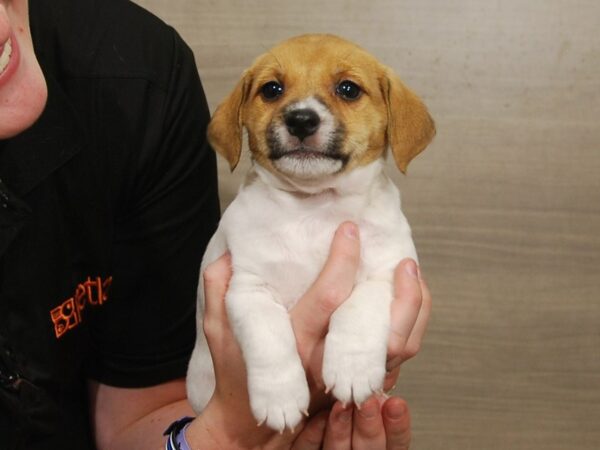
69,314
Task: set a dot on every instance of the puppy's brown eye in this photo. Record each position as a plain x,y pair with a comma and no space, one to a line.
271,90
348,90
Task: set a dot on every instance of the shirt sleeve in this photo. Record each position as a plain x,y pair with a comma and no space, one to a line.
145,332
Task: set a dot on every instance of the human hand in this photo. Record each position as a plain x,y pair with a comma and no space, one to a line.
410,312
381,423
227,421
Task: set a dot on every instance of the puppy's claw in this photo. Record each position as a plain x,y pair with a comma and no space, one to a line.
328,389
260,424
305,412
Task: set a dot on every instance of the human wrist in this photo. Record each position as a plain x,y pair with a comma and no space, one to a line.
215,429
205,432
225,425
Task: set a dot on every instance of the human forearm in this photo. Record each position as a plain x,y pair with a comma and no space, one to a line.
135,418
227,421
147,431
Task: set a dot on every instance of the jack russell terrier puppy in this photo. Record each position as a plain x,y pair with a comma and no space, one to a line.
320,113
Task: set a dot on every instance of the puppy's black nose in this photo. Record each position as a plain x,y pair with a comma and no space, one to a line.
302,122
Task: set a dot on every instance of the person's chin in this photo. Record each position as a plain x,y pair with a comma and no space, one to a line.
22,100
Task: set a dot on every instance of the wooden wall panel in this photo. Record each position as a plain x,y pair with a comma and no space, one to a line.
505,205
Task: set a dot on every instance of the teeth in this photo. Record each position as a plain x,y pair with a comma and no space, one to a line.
5,56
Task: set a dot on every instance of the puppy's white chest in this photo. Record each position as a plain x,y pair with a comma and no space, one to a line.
286,248
283,239
279,241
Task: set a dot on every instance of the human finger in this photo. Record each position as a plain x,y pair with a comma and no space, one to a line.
312,435
413,345
310,316
405,309
396,421
338,434
391,376
368,432
216,280
224,349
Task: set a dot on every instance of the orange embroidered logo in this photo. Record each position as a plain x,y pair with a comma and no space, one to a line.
69,314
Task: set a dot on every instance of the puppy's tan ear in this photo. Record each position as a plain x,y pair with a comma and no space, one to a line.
226,126
410,127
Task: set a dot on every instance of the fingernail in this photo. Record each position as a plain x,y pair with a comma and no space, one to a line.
369,409
412,269
345,415
351,230
395,410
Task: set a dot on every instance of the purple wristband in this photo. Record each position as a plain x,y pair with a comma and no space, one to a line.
176,434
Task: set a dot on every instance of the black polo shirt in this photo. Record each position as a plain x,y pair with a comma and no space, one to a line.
106,205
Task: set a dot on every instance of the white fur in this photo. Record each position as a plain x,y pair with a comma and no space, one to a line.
309,167
279,233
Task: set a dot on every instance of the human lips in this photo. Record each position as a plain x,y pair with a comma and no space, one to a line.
5,54
9,59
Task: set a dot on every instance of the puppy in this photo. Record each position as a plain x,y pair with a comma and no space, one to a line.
320,113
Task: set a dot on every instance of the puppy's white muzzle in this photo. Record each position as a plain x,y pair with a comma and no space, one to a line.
305,141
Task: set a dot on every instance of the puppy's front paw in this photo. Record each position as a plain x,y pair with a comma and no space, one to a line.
353,366
279,395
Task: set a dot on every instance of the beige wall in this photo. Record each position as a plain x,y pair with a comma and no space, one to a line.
505,205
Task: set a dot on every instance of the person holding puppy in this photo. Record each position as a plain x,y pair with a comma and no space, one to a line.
108,197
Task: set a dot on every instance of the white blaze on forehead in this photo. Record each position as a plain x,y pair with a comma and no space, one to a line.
5,55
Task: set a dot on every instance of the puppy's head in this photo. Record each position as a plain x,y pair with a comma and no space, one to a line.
318,105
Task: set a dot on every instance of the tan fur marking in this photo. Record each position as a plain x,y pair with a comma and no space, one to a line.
410,127
312,65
